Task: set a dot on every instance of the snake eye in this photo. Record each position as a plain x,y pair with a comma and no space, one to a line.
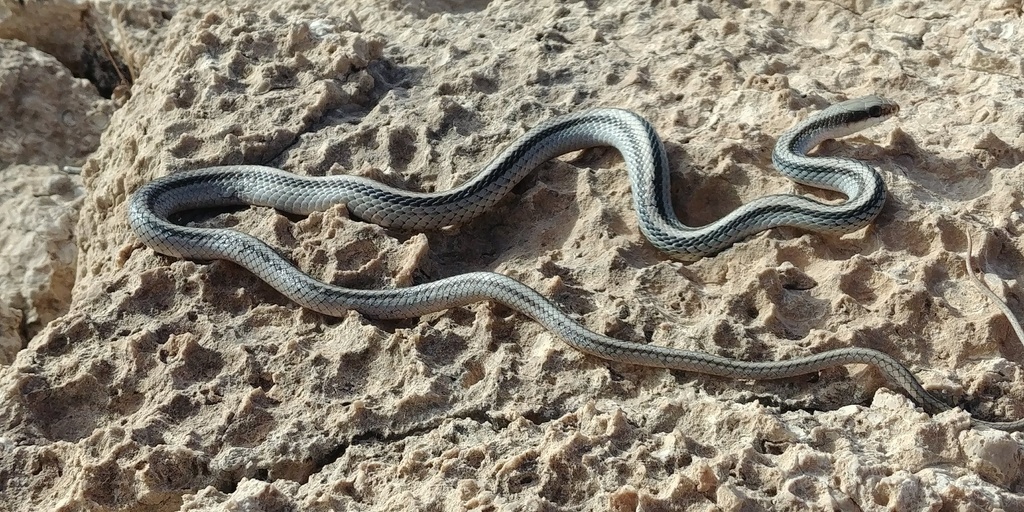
875,111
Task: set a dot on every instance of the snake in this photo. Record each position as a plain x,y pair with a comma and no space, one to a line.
151,212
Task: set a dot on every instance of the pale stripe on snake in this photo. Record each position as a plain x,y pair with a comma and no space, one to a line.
151,206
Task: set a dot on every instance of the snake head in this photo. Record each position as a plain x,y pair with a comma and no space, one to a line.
852,116
873,107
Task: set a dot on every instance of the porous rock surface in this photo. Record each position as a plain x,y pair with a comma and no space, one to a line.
168,384
48,119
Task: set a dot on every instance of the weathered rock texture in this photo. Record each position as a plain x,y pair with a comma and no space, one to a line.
178,385
48,119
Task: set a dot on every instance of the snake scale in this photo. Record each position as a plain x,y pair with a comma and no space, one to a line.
150,210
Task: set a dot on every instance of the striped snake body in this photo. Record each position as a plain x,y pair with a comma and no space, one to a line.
150,208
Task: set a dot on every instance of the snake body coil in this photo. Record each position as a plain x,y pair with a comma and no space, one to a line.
151,206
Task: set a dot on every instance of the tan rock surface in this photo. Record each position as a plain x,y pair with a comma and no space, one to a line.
181,385
49,119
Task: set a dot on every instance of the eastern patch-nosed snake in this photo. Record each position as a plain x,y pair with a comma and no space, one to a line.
150,208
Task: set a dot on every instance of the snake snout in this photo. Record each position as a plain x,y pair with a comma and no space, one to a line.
874,106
